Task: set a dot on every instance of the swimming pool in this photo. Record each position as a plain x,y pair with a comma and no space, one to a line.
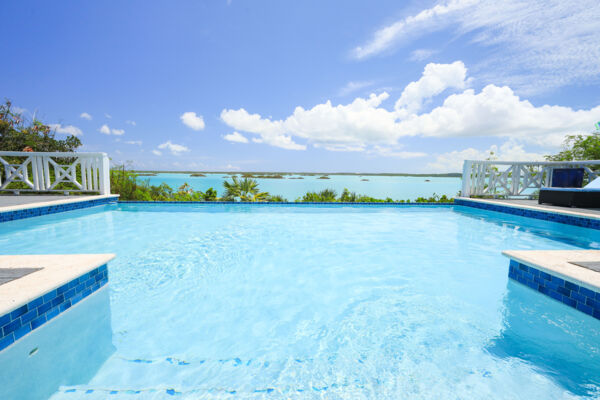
284,301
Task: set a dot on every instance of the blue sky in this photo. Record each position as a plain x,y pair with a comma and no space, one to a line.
377,86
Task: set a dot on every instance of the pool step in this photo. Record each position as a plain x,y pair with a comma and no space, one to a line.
175,376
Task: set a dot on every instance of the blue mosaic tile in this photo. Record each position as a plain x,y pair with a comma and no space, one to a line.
19,322
288,203
38,211
569,293
537,214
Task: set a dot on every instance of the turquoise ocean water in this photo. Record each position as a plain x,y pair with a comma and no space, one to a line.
396,187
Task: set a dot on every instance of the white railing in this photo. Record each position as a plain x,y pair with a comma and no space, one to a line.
515,179
43,172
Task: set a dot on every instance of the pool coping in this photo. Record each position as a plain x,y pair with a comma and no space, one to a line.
21,211
57,269
29,302
556,262
550,273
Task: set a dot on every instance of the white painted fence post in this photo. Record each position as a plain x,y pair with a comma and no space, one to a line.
466,178
104,174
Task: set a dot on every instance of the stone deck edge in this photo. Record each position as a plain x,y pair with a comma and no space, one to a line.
52,207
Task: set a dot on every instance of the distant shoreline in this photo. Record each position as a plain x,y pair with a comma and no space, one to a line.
447,175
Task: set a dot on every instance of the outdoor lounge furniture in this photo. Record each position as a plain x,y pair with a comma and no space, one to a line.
571,194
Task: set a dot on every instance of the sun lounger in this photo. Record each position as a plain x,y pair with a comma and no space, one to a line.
586,197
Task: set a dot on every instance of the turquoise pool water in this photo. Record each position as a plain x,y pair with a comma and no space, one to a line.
304,302
378,186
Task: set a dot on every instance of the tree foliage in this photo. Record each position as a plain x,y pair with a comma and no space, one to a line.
245,189
578,147
17,134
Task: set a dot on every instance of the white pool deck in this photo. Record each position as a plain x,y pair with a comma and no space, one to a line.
56,271
22,202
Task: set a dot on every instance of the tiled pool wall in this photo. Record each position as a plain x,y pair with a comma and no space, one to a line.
569,293
53,209
288,203
28,317
537,214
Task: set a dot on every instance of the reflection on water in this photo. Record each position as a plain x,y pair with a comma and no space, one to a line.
68,350
558,341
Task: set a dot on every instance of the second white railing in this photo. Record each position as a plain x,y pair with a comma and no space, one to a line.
514,179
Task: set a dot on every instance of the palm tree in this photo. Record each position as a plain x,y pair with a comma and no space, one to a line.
245,189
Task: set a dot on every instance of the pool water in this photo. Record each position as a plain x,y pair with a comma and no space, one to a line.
303,302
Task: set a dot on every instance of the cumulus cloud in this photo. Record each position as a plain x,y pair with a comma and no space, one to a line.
175,149
66,129
85,115
271,132
108,131
435,79
509,151
236,137
129,122
366,124
157,152
192,120
538,44
136,142
498,111
104,129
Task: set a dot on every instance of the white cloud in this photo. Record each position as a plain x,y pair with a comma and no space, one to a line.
67,129
498,111
129,122
104,129
366,125
136,142
108,116
271,132
537,45
354,86
421,54
108,131
509,151
391,152
236,137
190,119
156,152
85,115
435,79
175,149
428,19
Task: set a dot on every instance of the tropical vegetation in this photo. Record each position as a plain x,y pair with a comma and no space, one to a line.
18,133
578,147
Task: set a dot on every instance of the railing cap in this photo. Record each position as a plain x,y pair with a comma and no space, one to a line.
582,162
51,154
